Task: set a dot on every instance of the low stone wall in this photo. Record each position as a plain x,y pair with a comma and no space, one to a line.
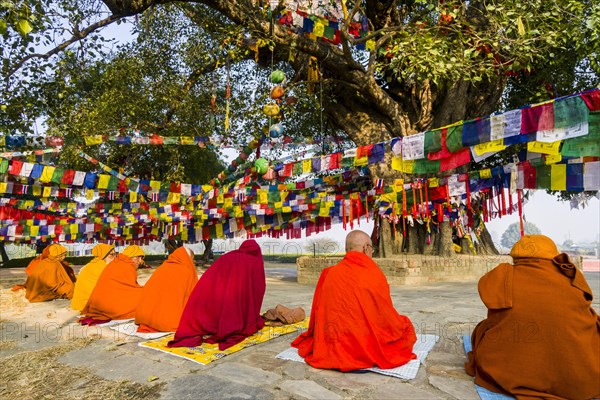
411,269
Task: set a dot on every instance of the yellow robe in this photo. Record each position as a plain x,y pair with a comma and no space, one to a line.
88,276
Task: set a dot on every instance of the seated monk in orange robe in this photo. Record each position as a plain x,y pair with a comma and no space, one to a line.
353,323
89,274
30,267
117,293
49,279
541,338
167,291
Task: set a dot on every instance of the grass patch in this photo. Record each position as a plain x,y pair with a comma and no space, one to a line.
38,375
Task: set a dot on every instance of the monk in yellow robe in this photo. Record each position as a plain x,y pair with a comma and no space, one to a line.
353,323
89,274
166,293
117,292
541,337
49,279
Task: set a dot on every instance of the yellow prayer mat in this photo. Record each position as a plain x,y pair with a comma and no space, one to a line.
207,353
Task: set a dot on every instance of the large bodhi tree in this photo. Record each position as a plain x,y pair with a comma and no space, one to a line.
433,63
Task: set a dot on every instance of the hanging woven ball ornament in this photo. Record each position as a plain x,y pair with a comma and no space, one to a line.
253,144
271,109
277,92
261,165
277,76
231,168
275,131
291,100
270,174
244,156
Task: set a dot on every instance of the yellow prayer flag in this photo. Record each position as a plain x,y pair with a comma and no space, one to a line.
406,166
558,177
544,148
92,140
220,198
47,173
489,147
306,166
133,197
35,230
263,197
89,194
173,197
187,140
324,210
552,159
485,173
3,186
361,161
155,185
37,190
228,203
73,228
47,191
318,29
103,180
370,45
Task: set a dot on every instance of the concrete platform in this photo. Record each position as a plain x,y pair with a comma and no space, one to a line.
447,309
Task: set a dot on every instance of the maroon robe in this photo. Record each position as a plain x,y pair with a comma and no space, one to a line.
224,306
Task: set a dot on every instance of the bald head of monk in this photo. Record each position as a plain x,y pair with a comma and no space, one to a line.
359,241
190,253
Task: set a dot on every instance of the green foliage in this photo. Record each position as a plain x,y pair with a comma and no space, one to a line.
452,40
512,234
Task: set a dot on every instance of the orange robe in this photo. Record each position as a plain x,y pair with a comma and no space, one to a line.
48,281
541,337
117,293
165,294
353,324
34,263
88,276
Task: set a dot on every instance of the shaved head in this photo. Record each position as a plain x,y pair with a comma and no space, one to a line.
357,240
190,253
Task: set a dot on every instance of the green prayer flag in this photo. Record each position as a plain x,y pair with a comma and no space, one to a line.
569,112
433,141
454,138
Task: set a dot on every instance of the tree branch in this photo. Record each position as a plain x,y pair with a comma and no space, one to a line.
77,36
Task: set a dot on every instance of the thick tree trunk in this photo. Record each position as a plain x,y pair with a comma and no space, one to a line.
3,254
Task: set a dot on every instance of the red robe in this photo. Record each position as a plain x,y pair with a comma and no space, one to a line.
225,304
117,293
166,293
353,323
541,338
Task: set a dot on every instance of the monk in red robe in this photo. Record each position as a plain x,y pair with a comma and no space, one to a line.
117,293
49,279
224,307
541,338
353,323
166,293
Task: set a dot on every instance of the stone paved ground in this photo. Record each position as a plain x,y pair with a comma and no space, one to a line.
445,309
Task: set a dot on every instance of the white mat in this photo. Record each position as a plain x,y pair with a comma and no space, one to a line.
130,328
114,322
483,393
409,370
